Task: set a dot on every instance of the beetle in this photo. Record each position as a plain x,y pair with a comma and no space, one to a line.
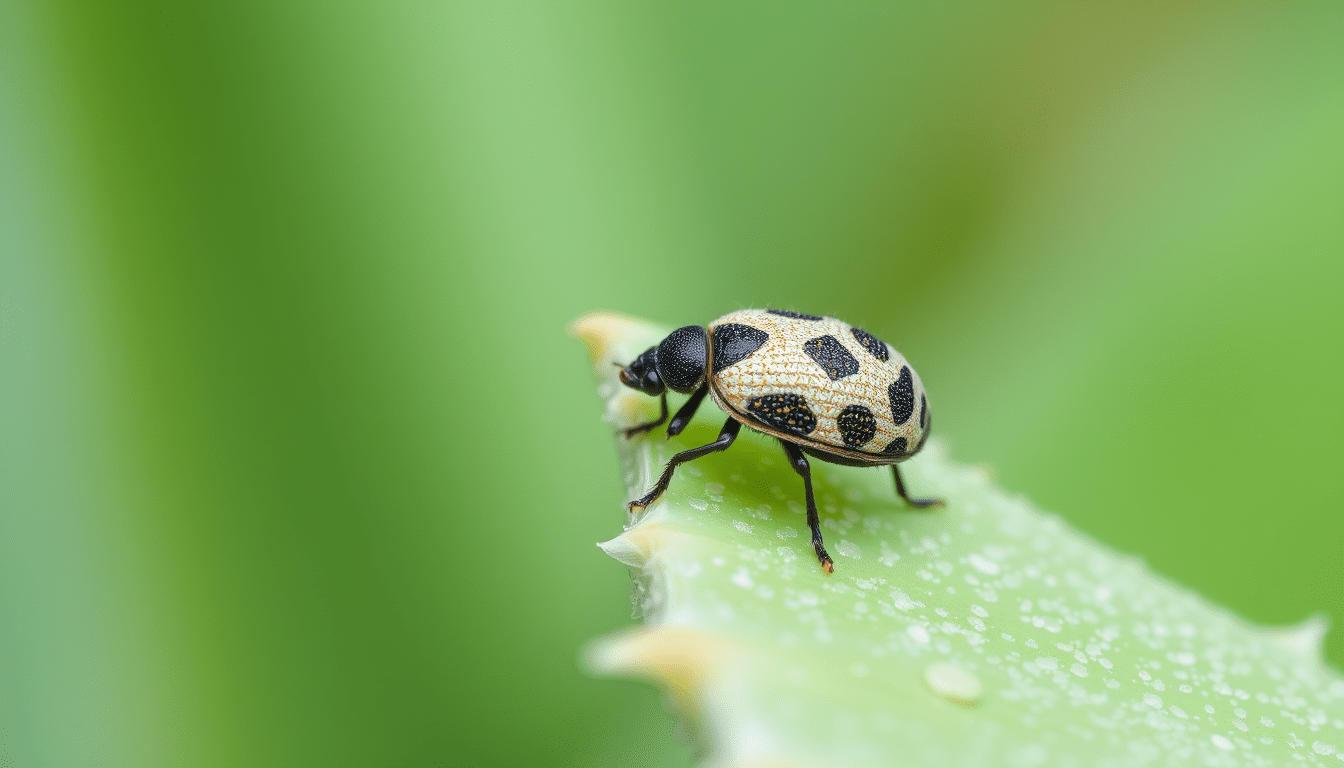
824,388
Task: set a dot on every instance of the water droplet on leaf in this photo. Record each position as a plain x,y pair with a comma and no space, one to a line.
953,683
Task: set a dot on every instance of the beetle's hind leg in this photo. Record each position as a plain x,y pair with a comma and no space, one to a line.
645,427
799,463
726,437
916,503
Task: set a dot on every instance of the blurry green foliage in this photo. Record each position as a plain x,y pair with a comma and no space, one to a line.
298,467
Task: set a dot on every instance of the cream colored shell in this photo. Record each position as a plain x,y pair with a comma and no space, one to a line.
781,366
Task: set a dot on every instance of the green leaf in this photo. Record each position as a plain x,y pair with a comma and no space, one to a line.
988,633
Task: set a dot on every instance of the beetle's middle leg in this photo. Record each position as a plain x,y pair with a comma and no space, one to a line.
799,463
726,437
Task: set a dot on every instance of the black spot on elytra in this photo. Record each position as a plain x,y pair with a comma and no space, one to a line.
788,412
833,358
857,425
733,342
871,343
794,315
901,393
926,421
897,446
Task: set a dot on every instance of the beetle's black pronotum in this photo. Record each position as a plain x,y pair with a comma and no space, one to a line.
822,387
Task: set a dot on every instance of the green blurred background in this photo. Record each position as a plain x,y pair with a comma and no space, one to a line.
300,468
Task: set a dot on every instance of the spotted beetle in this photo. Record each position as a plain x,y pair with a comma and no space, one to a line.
821,386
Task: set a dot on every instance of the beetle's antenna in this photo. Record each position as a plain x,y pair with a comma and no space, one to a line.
618,365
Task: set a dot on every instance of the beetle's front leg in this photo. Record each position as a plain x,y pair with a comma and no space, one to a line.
635,430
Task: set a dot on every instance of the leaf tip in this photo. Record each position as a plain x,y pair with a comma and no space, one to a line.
602,329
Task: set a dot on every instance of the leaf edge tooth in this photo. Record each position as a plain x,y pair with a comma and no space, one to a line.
1305,638
625,549
678,658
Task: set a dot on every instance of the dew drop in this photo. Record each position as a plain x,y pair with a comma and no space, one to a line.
699,504
984,564
1152,700
1221,742
849,549
953,683
903,601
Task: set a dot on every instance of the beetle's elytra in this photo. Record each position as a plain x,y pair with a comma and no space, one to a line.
823,387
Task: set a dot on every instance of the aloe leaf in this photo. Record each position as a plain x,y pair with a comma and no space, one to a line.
989,633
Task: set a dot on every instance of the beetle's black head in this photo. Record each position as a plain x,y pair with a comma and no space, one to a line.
678,364
642,374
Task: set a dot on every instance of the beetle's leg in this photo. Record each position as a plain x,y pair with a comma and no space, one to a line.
726,437
800,465
685,412
916,503
635,430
